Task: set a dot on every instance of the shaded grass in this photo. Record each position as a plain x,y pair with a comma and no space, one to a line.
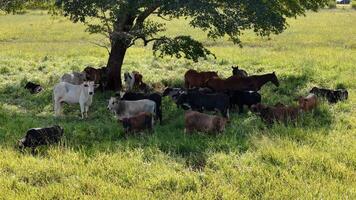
313,159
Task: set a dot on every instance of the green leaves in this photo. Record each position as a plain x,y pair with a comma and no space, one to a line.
180,46
128,20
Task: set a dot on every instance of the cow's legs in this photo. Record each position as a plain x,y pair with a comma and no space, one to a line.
57,108
82,109
86,111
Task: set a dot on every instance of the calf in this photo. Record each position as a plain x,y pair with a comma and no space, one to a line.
333,96
126,109
75,78
69,93
211,102
33,88
279,113
132,96
238,72
139,122
41,136
308,103
99,76
242,98
196,121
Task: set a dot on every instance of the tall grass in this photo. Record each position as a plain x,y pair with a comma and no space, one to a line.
315,159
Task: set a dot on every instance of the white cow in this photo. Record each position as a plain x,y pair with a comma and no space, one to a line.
129,79
126,109
75,78
69,93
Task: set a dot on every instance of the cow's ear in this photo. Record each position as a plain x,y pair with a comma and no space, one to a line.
96,85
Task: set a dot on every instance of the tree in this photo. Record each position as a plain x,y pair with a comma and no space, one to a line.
126,21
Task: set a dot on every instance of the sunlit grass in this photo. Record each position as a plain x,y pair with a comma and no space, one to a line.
316,159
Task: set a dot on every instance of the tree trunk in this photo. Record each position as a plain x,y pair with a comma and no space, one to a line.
116,59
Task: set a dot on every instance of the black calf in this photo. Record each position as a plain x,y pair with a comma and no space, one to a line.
241,98
33,88
333,96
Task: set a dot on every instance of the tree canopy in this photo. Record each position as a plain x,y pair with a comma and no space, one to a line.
126,21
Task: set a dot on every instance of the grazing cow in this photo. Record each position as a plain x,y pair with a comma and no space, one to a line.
126,109
333,96
33,88
137,123
242,98
280,113
41,136
238,72
308,103
194,78
69,93
99,76
210,102
234,83
196,121
132,96
75,78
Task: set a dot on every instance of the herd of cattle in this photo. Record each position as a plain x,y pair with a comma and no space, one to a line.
137,109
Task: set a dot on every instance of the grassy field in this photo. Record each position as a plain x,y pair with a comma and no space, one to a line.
316,159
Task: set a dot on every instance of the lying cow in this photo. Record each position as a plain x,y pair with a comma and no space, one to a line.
241,98
333,96
196,121
99,76
279,113
126,109
132,96
140,122
41,136
69,93
210,102
75,78
33,88
308,103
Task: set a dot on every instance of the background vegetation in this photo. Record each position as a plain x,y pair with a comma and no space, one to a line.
314,159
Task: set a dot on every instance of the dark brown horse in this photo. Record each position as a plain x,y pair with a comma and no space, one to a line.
234,83
194,78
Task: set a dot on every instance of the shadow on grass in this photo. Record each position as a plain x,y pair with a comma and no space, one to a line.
20,111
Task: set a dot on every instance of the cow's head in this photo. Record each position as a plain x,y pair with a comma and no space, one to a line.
88,87
113,102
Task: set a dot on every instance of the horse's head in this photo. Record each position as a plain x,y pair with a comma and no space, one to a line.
235,70
274,79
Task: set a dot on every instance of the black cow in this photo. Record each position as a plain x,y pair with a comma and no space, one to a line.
133,96
333,96
210,102
41,136
33,88
241,98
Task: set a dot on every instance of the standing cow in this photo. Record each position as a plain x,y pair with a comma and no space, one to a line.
126,109
75,78
68,93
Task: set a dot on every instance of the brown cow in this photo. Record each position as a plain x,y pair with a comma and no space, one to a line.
99,76
233,83
279,113
138,123
194,78
308,103
196,121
